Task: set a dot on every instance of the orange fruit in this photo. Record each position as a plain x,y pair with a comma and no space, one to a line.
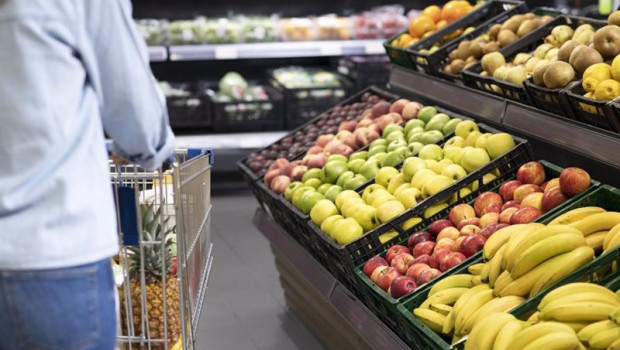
421,25
406,40
441,24
433,12
453,35
454,10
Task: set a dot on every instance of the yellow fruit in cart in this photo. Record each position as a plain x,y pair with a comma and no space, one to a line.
607,90
615,68
594,75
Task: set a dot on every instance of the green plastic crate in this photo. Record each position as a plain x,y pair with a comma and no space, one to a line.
397,54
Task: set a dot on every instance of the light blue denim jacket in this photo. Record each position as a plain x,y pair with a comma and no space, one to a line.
68,70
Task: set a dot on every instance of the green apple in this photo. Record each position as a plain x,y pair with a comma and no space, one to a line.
407,197
471,138
498,144
411,223
451,125
440,165
421,177
355,165
431,136
359,155
434,125
366,216
440,116
474,158
411,166
347,231
346,176
328,224
308,200
379,157
299,192
425,114
377,149
395,182
416,137
415,147
461,194
453,153
465,127
435,185
413,132
393,158
481,142
313,173
413,123
333,170
349,207
431,152
384,175
322,209
390,129
345,196
454,172
369,169
454,141
388,236
355,182
395,135
434,210
370,189
390,210
290,190
377,142
316,183
403,150
323,188
339,157
333,192
395,144
322,176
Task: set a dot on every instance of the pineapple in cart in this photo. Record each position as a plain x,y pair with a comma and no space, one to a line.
148,319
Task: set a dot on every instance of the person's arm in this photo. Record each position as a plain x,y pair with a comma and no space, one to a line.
133,109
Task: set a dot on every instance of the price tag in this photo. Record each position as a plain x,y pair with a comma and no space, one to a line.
331,50
374,48
226,52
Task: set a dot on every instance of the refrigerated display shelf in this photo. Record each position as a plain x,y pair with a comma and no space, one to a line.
158,53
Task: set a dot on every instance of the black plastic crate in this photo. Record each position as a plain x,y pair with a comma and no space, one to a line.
343,259
550,100
365,70
191,111
472,77
590,111
483,18
613,115
246,116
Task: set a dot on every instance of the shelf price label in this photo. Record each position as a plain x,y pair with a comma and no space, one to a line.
330,50
226,52
374,48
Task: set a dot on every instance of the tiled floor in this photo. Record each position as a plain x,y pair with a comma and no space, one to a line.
245,307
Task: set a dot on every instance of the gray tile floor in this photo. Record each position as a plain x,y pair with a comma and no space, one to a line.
245,307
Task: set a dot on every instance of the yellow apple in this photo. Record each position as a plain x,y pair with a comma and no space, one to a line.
474,158
454,172
346,231
465,127
390,210
430,163
321,210
431,151
435,185
380,199
498,144
411,223
368,191
472,138
328,224
376,194
408,197
349,207
411,165
454,141
418,193
384,175
388,236
345,196
421,177
455,154
395,182
441,165
481,142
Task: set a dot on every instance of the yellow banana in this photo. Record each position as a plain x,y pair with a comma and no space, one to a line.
597,222
501,237
494,306
577,326
533,319
555,341
495,266
476,302
577,312
538,236
464,299
484,273
604,339
586,333
447,296
441,308
530,334
523,285
595,240
610,235
584,297
615,345
573,288
430,319
515,239
454,281
448,324
507,334
502,281
576,215
615,316
613,242
570,262
544,250
477,281
475,269
484,334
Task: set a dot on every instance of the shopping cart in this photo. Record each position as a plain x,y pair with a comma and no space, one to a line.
165,259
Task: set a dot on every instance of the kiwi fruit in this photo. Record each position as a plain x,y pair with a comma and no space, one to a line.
521,58
447,69
457,66
558,74
531,63
489,47
454,54
513,23
566,49
464,49
475,49
528,26
516,75
506,37
583,57
539,71
494,31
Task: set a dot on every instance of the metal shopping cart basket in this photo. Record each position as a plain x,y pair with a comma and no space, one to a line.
163,267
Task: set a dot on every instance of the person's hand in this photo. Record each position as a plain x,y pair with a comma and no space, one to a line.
118,160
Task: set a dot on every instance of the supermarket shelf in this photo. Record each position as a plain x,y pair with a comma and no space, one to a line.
288,49
158,53
366,324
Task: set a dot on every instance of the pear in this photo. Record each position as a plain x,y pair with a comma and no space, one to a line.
585,37
607,41
539,71
521,58
558,74
566,49
529,25
457,66
489,47
561,34
583,28
475,49
583,57
506,37
531,63
491,61
516,75
494,31
541,50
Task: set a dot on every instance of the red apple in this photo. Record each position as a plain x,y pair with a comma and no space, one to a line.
488,219
489,230
550,184
451,260
525,215
472,221
415,270
391,118
380,108
491,208
395,250
485,199
372,264
460,240
511,204
531,173
402,262
461,212
363,123
342,149
278,164
506,214
271,174
574,181
402,285
323,140
470,230
422,259
523,190
448,232
374,276
418,237
438,226
446,244
533,200
427,275
298,173
423,248
386,277
350,141
472,244
280,183
364,136
398,105
552,198
507,189
437,257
